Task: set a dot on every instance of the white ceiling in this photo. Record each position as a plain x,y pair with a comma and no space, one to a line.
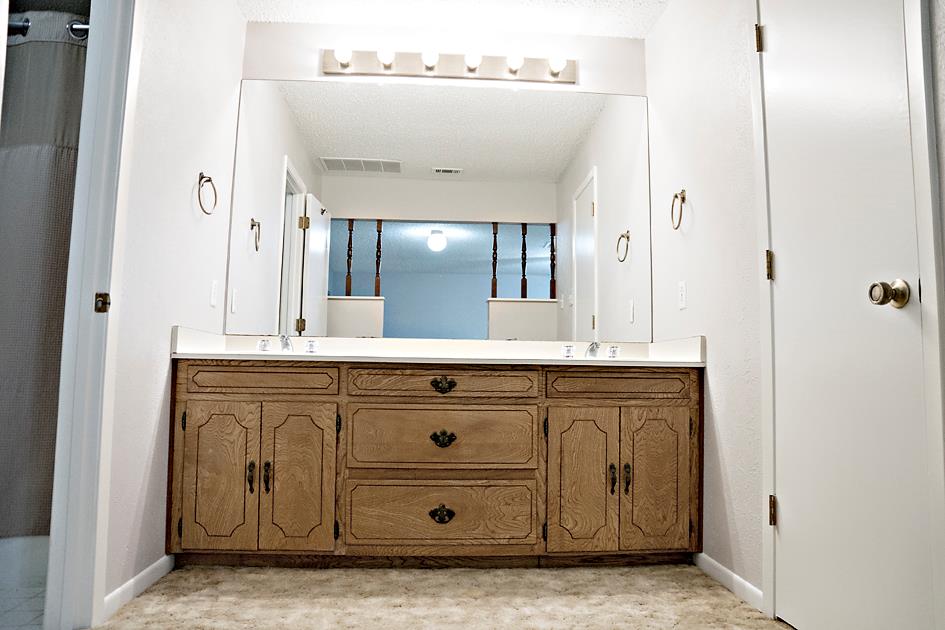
493,134
608,18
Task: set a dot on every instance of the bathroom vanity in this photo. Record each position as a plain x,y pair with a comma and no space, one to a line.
514,457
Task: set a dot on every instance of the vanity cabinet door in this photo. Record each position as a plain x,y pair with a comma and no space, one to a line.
654,478
583,478
221,476
297,477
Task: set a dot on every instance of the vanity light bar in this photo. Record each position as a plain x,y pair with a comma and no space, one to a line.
406,64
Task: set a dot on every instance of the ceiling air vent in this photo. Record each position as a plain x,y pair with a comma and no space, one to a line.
446,170
360,165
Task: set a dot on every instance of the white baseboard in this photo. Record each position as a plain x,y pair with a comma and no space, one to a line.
742,589
135,586
24,560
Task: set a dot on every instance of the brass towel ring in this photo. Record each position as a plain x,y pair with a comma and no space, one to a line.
626,250
256,226
201,180
681,196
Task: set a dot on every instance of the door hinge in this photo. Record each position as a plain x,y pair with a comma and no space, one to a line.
545,425
183,421
593,208
772,510
759,40
180,528
103,302
337,530
544,531
769,264
337,423
593,322
300,325
304,223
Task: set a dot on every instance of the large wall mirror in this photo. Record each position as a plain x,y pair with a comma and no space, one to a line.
439,211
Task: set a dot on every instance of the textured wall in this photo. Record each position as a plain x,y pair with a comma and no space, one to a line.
181,119
701,139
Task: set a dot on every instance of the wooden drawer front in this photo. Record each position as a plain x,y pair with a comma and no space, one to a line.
472,512
618,385
262,380
442,436
448,383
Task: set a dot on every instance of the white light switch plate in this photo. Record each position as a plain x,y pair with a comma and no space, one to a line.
632,316
682,295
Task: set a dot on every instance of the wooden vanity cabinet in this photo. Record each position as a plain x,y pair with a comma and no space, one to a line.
295,460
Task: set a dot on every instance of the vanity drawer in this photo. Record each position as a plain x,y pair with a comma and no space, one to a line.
442,512
636,384
442,436
229,379
443,383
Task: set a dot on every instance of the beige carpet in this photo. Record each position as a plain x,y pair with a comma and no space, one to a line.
680,597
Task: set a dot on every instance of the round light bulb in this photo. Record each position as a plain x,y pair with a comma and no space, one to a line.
473,61
515,63
386,57
343,56
430,59
557,64
436,241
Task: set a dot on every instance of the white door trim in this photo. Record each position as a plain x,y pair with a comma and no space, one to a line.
766,326
289,309
75,591
917,21
930,248
591,178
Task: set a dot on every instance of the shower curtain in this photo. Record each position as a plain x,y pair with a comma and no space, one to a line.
39,137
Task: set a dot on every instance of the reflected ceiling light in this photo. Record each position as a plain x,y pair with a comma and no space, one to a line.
430,59
473,61
557,64
386,57
515,63
436,241
343,56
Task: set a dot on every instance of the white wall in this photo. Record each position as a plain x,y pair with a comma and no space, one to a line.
525,320
181,117
698,57
355,316
353,197
267,133
617,146
609,65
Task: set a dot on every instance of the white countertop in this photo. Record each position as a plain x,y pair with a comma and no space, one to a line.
187,343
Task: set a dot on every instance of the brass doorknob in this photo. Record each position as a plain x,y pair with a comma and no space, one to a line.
897,294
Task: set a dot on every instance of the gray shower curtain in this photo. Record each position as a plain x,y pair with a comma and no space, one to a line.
39,137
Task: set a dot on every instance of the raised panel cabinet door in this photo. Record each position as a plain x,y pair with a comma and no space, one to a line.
297,477
654,482
221,475
583,451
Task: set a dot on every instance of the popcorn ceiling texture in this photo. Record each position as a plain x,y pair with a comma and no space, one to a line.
608,18
643,598
494,134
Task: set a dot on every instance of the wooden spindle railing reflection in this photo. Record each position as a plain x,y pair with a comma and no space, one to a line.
524,261
350,253
553,288
495,259
377,261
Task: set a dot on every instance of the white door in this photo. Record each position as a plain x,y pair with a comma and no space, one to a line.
584,244
852,542
315,269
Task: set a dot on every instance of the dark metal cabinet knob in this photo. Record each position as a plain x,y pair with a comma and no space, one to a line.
627,478
613,479
267,472
443,439
443,385
251,475
442,514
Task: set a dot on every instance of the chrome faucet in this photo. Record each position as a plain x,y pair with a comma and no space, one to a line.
286,343
592,349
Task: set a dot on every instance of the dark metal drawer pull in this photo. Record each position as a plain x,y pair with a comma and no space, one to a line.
442,514
251,475
443,384
613,479
443,439
627,478
267,471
